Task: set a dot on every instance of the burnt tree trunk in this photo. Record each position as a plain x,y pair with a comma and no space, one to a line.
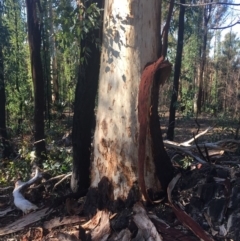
34,38
177,73
3,131
84,116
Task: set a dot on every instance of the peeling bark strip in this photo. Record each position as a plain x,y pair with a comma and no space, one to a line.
153,75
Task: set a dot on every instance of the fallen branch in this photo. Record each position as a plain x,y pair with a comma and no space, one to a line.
93,222
211,149
103,230
19,200
227,141
59,221
187,143
218,146
24,221
4,212
144,224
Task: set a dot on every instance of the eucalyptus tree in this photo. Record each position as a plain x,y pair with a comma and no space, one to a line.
34,38
217,53
119,167
53,51
3,130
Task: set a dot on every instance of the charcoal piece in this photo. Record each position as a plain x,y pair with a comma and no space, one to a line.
216,209
235,198
233,225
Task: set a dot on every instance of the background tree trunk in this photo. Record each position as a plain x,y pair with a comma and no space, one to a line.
54,66
3,131
84,115
177,73
206,18
130,41
34,38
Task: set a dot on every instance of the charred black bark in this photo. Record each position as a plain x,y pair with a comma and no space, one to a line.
34,38
3,131
177,73
84,116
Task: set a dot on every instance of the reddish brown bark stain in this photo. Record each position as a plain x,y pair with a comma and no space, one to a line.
109,88
125,173
128,130
104,143
104,127
144,111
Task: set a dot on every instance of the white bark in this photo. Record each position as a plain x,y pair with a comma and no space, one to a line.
130,41
19,200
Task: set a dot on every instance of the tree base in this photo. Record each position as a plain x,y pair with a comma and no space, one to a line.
101,198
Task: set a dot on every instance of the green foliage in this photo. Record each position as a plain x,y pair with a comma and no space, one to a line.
59,161
183,161
64,25
190,59
71,25
59,158
16,64
13,170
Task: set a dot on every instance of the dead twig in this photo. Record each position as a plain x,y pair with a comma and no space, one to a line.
66,176
52,179
207,154
198,125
